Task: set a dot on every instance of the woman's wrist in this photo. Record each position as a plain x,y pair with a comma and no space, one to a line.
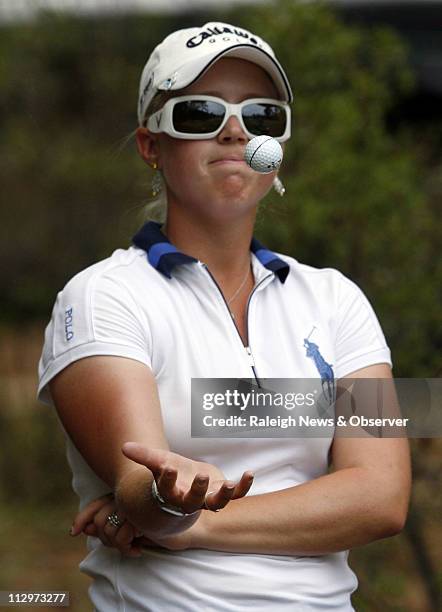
166,507
199,534
133,494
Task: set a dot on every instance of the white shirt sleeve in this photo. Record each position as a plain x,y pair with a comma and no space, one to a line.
95,314
359,340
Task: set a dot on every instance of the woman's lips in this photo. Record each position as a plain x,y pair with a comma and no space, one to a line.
228,160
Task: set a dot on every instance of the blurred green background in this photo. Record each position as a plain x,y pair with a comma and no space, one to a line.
364,186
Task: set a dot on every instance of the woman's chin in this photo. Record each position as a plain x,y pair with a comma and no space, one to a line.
235,185
233,206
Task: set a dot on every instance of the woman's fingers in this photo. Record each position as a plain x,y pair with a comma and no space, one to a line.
228,491
105,529
216,500
86,515
116,536
90,529
243,486
166,483
152,458
124,540
94,521
194,498
161,463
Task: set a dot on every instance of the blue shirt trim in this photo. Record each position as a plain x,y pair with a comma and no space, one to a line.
164,256
156,251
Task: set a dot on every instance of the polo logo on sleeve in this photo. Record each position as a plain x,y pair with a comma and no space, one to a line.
68,323
325,369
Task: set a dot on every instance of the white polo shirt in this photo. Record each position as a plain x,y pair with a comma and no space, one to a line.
156,305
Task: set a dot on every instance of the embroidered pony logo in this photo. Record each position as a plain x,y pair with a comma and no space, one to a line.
325,369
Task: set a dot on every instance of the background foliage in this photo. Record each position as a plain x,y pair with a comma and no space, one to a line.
361,196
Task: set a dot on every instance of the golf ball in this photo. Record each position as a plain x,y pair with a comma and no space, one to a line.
263,154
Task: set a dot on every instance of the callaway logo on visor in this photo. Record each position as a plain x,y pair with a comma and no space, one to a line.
195,41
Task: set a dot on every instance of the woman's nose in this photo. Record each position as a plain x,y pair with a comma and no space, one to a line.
232,132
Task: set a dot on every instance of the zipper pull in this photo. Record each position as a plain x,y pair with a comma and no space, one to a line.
250,356
252,365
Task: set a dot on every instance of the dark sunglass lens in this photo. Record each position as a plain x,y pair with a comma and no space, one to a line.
197,116
265,119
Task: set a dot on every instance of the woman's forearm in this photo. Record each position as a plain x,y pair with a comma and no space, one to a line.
343,510
133,495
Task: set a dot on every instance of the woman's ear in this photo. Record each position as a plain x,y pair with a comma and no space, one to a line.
148,145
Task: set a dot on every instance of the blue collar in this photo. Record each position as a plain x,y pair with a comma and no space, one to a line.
164,256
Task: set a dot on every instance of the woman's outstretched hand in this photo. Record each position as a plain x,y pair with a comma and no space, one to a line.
187,484
190,485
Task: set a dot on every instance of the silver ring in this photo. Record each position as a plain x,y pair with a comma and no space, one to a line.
114,520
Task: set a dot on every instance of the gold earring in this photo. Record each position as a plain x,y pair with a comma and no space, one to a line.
154,165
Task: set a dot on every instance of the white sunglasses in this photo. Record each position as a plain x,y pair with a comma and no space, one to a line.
198,117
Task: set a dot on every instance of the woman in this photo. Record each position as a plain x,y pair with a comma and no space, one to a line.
200,298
